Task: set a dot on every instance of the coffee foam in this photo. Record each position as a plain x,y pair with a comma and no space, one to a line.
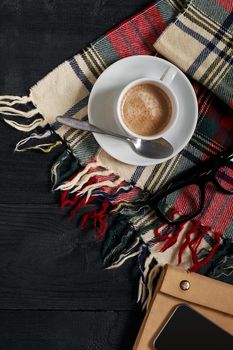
146,109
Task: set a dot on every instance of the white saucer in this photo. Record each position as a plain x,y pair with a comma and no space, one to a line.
108,86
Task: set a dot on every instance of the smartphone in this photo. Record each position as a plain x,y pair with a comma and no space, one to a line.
186,329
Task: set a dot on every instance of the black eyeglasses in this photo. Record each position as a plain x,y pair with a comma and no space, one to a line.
189,188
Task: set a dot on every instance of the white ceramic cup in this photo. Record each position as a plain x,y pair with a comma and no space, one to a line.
164,84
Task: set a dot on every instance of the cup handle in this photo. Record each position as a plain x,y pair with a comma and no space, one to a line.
168,76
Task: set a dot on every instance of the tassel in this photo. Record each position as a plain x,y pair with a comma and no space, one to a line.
20,145
150,285
68,185
17,112
121,241
202,262
80,185
45,147
4,100
90,189
99,218
65,200
119,194
7,104
198,232
63,168
122,259
222,262
33,143
26,127
131,252
68,202
79,203
186,242
168,233
141,288
86,178
149,269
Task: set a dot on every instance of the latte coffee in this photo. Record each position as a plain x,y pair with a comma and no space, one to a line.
146,109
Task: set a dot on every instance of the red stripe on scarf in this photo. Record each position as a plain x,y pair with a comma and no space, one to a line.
145,31
156,19
135,42
119,44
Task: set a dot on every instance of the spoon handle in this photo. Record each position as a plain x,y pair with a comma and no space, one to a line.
82,125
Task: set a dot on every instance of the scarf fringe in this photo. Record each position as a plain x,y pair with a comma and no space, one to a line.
134,222
8,100
129,253
92,177
150,286
13,111
189,245
194,237
94,214
33,142
84,196
93,192
63,168
26,121
71,183
6,103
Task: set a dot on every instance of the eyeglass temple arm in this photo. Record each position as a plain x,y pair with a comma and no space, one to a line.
206,165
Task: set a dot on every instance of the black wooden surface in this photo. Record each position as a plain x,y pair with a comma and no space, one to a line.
54,293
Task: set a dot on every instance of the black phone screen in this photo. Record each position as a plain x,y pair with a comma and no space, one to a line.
188,330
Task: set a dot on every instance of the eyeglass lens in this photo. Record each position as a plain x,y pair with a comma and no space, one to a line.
187,200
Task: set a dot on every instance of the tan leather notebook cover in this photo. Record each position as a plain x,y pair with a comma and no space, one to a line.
212,298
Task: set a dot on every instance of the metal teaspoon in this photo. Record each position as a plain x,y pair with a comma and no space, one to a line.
156,149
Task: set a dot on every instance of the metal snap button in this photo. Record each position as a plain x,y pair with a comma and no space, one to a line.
185,285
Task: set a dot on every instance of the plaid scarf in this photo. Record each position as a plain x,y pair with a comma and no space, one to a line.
105,193
200,43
